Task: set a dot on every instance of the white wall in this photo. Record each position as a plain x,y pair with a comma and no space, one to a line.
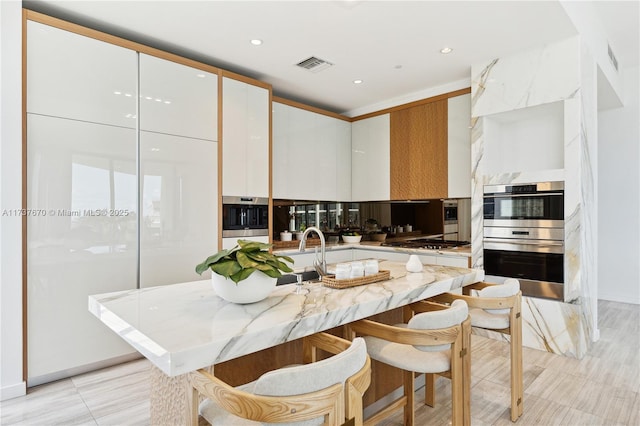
11,381
619,192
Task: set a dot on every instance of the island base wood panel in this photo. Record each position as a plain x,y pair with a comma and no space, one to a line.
419,152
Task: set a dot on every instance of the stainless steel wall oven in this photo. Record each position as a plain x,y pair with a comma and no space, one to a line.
524,236
245,216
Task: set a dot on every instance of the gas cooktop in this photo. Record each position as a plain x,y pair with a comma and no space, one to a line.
426,243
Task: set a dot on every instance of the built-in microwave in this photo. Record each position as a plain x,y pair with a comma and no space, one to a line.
245,216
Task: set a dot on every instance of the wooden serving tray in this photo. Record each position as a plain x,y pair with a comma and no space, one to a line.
331,281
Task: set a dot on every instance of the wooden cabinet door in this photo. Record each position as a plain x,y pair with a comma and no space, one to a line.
419,152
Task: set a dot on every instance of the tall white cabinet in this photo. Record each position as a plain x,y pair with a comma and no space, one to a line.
178,170
245,139
371,159
311,155
121,180
459,146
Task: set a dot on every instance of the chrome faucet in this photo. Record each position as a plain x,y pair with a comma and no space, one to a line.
319,265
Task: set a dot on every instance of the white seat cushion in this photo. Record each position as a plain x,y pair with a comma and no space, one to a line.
494,319
420,359
407,357
433,320
295,380
510,287
483,319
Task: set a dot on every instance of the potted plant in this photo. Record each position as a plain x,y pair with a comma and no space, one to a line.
248,262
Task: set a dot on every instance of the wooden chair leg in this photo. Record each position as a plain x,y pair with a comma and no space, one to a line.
457,391
430,389
409,392
466,371
516,369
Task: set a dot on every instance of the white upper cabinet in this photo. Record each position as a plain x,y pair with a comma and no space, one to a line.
370,159
342,134
73,76
177,100
459,147
245,139
311,155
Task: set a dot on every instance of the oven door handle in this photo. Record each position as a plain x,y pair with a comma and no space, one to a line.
507,195
540,246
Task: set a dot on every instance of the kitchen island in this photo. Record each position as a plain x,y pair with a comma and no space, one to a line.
183,327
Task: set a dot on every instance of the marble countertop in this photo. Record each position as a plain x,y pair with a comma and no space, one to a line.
374,245
183,327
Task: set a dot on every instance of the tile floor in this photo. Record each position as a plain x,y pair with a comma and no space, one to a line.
601,389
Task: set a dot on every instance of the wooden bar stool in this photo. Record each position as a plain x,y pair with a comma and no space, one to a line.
498,307
430,342
327,391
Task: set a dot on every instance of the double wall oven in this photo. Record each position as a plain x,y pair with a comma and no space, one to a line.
524,236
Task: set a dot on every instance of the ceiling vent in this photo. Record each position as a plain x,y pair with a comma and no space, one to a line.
314,64
612,57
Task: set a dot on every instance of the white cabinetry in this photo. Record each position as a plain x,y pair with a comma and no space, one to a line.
459,146
370,159
245,139
76,170
178,170
77,77
97,149
178,100
311,155
81,166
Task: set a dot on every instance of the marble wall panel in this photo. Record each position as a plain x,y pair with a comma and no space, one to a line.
559,72
535,77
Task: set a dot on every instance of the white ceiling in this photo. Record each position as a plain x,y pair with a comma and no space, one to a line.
393,46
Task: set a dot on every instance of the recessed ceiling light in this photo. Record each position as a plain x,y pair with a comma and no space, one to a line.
446,50
256,42
357,81
200,75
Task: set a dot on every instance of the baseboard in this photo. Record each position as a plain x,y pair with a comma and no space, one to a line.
621,298
13,391
52,377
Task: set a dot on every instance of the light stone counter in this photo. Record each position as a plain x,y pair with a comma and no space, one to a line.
184,327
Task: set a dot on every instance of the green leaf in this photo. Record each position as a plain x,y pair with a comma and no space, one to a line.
273,273
247,245
287,258
245,261
241,275
226,268
279,265
211,260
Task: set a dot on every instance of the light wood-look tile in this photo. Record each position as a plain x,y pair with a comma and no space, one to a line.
601,389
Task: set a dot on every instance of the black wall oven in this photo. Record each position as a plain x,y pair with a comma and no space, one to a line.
524,236
245,216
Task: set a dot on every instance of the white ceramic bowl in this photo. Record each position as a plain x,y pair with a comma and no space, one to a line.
285,236
351,238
